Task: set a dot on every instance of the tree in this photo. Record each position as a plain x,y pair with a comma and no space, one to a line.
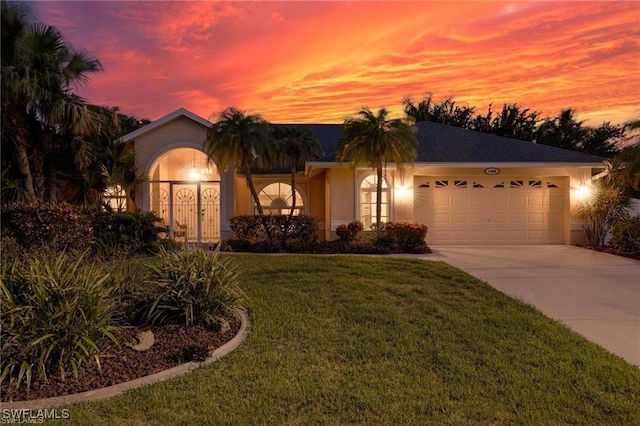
564,131
296,146
512,122
602,140
607,206
115,160
240,141
373,141
39,110
443,112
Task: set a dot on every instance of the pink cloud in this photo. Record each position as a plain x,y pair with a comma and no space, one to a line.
322,61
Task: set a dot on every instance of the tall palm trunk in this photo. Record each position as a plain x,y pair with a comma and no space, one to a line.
254,194
294,161
25,169
379,202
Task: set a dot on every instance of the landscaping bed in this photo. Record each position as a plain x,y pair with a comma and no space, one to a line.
173,345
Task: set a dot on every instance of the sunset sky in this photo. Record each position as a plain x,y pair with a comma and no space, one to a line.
319,62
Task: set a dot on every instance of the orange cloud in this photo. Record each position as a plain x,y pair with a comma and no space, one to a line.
323,61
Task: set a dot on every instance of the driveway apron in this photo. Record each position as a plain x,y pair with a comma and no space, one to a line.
595,294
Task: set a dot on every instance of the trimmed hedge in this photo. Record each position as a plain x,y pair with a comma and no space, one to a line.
273,233
298,235
405,237
62,227
56,227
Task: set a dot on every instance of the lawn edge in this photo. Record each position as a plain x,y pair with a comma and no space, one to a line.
111,391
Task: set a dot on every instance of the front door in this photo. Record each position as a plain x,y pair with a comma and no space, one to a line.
196,211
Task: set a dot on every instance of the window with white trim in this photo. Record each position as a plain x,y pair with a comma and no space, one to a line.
277,198
368,195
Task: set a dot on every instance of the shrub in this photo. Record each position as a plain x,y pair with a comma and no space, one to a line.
626,235
57,227
282,229
126,233
193,287
56,313
408,237
350,231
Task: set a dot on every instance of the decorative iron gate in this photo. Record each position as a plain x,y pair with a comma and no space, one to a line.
210,215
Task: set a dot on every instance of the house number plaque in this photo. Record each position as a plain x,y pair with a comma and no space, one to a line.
492,171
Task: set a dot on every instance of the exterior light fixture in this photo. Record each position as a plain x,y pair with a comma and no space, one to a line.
583,192
402,192
194,174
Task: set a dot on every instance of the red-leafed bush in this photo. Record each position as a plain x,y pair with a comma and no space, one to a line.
404,237
349,231
274,233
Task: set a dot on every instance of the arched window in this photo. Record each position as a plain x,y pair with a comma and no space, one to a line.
277,198
368,194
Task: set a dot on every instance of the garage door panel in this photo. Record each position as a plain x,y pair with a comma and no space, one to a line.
441,201
517,218
479,218
535,218
442,218
460,218
535,201
461,200
499,218
497,201
498,235
517,236
460,236
477,201
518,201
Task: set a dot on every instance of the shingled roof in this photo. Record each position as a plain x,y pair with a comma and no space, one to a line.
439,143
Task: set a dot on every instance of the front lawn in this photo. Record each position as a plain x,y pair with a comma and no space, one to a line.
377,340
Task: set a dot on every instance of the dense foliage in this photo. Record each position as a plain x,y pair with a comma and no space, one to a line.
52,227
193,287
58,227
626,235
56,313
274,231
513,121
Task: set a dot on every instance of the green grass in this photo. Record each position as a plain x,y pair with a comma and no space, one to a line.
376,340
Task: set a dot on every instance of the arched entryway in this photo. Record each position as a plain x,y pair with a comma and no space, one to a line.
184,189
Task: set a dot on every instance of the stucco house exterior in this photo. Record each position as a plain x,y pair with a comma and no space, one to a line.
467,187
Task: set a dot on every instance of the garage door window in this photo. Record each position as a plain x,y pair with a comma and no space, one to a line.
368,195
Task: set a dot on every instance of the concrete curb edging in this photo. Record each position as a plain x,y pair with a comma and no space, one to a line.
120,388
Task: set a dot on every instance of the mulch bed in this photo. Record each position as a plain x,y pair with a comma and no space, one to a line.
610,250
174,345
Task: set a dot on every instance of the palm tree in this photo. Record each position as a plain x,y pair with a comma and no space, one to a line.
373,141
297,145
39,110
563,131
238,140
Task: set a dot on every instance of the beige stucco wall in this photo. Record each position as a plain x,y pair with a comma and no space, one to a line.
341,197
181,132
342,183
317,206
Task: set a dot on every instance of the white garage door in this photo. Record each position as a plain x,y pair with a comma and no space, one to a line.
473,210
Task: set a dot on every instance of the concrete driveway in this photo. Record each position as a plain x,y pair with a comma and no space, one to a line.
595,294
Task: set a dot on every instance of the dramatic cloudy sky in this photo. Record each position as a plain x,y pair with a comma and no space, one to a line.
323,61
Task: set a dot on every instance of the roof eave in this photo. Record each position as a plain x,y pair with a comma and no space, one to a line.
181,112
328,164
